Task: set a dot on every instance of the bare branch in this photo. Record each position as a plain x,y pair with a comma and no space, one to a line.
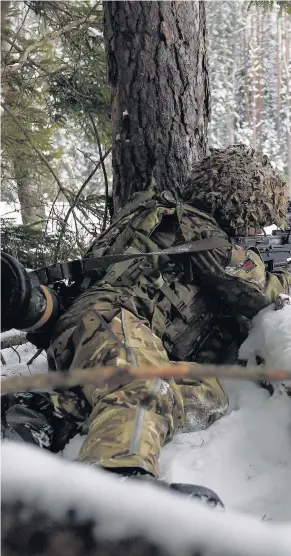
98,376
14,340
103,169
74,203
35,356
15,350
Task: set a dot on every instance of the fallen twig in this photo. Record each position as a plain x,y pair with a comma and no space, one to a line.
97,376
38,352
15,350
13,340
3,361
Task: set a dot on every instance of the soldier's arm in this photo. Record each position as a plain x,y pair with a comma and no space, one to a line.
239,277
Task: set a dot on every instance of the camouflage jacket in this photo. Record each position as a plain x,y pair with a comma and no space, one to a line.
190,301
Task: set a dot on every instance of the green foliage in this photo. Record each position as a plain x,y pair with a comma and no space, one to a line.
54,75
79,83
268,5
32,249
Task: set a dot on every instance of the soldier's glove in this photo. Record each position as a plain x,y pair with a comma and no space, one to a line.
32,417
24,305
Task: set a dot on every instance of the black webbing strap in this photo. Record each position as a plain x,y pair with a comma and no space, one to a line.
73,270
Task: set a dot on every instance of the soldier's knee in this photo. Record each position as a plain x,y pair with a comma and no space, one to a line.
204,402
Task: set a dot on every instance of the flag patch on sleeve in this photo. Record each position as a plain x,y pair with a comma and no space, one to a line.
248,265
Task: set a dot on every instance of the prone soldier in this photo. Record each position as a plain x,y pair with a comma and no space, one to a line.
148,310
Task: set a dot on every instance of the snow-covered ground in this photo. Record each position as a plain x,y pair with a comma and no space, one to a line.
245,456
118,511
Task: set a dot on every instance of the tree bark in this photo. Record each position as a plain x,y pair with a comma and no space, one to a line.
4,11
158,71
31,205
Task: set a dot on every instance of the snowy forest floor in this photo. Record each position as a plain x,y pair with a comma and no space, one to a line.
245,456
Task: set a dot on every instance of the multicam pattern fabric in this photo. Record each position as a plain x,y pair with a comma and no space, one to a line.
250,288
128,316
147,310
131,422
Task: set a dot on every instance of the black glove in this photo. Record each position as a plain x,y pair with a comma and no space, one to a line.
39,339
31,417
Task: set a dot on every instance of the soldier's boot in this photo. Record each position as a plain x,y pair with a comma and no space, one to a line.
197,492
200,493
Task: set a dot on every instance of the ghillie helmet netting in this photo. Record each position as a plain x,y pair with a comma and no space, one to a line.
240,188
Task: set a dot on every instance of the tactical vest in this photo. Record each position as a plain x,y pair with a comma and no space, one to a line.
145,253
182,316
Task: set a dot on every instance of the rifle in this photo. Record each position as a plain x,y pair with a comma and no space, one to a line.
275,249
33,301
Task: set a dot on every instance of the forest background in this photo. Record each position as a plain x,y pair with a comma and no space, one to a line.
56,131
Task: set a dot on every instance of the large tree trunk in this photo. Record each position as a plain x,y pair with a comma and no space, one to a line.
160,110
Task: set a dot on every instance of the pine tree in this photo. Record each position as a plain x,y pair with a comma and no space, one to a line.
160,105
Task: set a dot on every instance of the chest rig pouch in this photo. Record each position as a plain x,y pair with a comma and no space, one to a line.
146,253
180,316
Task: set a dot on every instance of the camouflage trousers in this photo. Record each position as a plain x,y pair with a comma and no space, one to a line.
130,423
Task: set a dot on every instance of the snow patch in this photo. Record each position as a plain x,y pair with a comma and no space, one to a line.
164,388
270,337
245,456
128,508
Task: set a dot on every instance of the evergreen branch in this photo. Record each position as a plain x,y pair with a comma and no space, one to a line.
12,43
56,7
98,376
36,149
54,35
75,201
21,51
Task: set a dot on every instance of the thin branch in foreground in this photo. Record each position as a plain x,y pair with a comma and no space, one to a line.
103,170
98,376
3,361
15,350
75,201
35,356
13,340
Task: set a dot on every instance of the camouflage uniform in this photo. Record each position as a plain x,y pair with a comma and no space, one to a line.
151,310
144,312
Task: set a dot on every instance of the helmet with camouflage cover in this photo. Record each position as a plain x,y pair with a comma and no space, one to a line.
240,188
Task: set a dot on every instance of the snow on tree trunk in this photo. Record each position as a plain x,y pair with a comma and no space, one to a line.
158,71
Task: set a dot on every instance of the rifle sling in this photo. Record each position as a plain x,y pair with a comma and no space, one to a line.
73,270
